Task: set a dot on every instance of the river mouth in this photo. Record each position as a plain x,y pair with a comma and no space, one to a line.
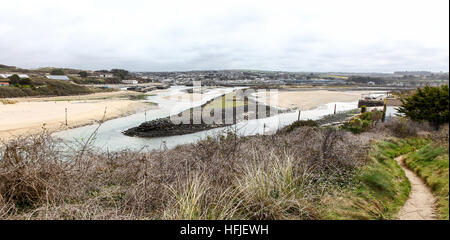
110,137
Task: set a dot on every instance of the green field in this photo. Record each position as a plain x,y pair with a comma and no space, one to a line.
229,100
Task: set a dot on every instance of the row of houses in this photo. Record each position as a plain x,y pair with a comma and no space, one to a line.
7,75
24,76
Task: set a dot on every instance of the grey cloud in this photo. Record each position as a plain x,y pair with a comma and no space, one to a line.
285,35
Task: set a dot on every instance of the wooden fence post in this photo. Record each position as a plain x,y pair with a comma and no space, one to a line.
383,115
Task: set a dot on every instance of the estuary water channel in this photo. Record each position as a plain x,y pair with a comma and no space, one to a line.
110,137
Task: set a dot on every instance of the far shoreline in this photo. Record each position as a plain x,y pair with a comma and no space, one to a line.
33,114
128,107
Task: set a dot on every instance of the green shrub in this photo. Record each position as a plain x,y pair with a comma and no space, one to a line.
83,74
363,109
57,72
301,123
25,81
363,122
47,87
428,104
14,79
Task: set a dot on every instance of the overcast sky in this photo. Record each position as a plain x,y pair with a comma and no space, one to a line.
320,35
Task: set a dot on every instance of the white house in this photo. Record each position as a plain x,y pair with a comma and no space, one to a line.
106,75
58,77
130,81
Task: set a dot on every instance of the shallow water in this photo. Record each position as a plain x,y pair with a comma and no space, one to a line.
110,137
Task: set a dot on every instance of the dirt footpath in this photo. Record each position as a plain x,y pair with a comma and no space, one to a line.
421,202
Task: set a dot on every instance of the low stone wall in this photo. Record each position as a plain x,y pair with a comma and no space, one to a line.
370,103
394,102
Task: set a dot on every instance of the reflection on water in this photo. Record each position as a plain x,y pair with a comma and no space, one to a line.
110,133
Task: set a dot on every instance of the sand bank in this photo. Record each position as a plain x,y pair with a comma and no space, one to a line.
29,115
307,100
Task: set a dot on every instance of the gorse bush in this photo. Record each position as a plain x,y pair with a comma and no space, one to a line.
300,123
363,109
363,121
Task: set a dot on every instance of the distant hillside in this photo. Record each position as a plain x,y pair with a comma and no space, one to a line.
38,71
50,69
45,87
5,66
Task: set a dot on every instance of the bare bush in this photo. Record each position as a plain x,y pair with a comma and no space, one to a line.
282,176
403,127
32,172
441,136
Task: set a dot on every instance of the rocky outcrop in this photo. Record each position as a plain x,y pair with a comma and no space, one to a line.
165,127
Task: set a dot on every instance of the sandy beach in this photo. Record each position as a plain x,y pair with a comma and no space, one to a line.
307,100
30,115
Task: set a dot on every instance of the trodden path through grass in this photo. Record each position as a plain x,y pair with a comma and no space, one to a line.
421,202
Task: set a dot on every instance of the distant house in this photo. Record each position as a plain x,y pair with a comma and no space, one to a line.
130,81
106,75
58,77
4,84
7,75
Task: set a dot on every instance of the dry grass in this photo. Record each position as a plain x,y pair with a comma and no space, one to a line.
224,177
300,174
403,127
8,101
441,136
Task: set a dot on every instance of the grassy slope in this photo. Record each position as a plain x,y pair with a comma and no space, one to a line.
382,188
431,163
45,87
